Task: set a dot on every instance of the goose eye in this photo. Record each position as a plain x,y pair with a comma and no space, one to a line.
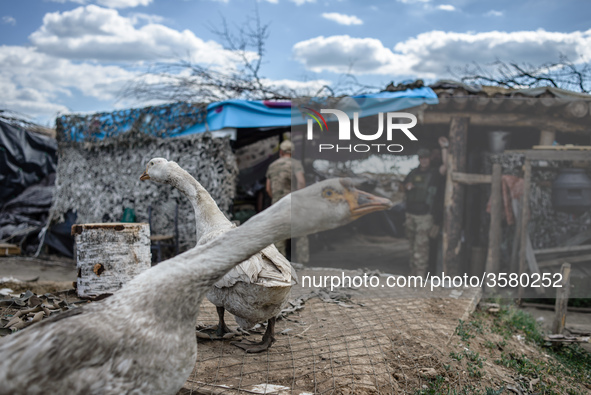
327,193
151,163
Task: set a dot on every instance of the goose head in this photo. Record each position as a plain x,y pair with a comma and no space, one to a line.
157,169
331,203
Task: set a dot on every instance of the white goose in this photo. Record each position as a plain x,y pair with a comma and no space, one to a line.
254,291
142,339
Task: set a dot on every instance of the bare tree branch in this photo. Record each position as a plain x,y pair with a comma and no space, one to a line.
185,80
563,74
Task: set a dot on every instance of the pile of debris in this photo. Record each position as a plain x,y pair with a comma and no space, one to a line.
20,311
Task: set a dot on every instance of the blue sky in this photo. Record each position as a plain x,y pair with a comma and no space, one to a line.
65,56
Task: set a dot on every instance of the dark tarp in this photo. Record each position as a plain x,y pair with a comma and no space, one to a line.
23,217
26,158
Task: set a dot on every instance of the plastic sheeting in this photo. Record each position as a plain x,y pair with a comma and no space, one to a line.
259,114
24,216
26,158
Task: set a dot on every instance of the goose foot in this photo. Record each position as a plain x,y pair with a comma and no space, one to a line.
265,344
219,331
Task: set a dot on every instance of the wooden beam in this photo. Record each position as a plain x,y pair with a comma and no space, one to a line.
570,155
551,307
524,222
505,119
480,102
562,250
562,294
454,195
471,179
577,108
514,264
496,217
459,102
9,249
567,147
571,259
532,264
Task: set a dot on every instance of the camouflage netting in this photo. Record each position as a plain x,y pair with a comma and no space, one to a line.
98,180
548,227
160,121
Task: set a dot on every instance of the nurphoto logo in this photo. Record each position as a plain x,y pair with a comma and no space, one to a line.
344,130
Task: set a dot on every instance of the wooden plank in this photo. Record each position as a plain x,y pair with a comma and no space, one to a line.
551,307
562,250
532,264
567,339
471,179
525,212
570,155
559,261
496,217
9,249
568,147
562,294
514,264
505,119
578,239
454,196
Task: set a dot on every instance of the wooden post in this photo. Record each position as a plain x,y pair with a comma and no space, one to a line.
547,137
454,196
524,222
561,300
514,266
496,215
108,255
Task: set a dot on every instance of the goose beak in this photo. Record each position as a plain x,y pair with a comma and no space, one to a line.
145,175
366,203
362,203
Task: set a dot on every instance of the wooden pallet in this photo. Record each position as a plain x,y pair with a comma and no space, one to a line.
567,147
9,249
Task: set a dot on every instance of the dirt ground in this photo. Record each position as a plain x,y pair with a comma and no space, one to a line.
375,342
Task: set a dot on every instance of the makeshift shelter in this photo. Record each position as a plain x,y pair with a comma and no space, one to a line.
28,162
224,145
494,125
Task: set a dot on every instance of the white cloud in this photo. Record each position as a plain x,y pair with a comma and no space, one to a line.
33,82
342,19
71,1
342,54
494,13
8,20
446,7
302,2
432,54
110,3
102,34
137,17
123,3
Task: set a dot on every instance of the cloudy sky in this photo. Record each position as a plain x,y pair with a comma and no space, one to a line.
65,56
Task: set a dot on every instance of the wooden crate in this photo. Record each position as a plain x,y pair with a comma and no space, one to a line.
9,249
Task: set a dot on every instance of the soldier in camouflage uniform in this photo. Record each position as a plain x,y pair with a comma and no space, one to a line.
422,187
279,184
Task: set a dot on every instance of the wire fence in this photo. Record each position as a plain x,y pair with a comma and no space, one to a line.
385,342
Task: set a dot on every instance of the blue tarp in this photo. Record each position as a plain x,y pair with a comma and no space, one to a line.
257,114
180,119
